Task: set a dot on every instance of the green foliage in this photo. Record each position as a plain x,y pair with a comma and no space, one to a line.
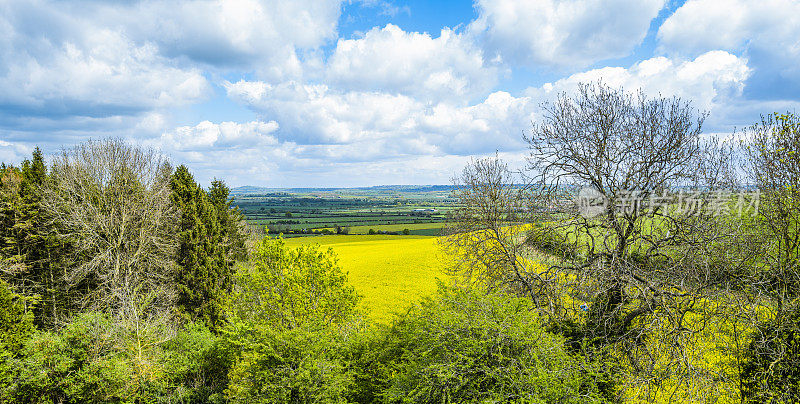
300,365
230,219
771,372
464,346
93,359
287,318
77,364
195,368
29,251
16,325
286,287
210,241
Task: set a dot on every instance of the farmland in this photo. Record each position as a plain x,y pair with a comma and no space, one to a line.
390,272
422,210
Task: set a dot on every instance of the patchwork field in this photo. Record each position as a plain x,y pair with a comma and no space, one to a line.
421,210
391,272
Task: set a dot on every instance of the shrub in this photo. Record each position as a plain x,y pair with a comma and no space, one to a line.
464,346
93,359
288,317
771,372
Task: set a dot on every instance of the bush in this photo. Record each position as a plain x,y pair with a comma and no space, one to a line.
771,372
93,359
464,346
288,317
550,240
16,325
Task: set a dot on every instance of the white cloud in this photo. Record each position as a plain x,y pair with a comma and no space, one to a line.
225,135
766,32
702,25
386,125
58,65
14,153
391,60
97,59
710,80
105,75
262,35
572,33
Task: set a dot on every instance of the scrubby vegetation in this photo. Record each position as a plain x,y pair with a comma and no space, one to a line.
123,280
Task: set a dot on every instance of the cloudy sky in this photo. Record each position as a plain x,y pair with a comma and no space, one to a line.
353,93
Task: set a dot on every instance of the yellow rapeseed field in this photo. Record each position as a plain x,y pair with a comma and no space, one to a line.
390,272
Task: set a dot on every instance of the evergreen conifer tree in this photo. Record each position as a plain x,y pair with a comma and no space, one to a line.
27,246
204,272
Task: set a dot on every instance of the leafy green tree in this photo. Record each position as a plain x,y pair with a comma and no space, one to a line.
466,346
16,325
287,319
95,359
211,241
231,222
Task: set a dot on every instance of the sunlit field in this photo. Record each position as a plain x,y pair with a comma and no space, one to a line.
390,272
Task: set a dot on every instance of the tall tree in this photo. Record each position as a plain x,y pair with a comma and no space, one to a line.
634,255
28,244
205,267
112,199
230,220
772,159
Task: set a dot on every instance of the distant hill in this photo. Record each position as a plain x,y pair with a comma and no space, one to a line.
251,190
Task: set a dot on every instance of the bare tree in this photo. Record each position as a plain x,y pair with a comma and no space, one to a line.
644,260
486,235
621,196
112,199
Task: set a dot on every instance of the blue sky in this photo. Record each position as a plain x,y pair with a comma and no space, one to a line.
369,92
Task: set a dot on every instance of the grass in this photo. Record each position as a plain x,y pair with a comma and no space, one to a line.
390,272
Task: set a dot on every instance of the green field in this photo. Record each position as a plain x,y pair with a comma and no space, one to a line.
390,272
422,210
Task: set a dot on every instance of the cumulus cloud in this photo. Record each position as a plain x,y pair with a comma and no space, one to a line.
710,80
573,33
391,60
224,135
262,35
98,63
72,70
13,152
401,125
700,25
767,32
